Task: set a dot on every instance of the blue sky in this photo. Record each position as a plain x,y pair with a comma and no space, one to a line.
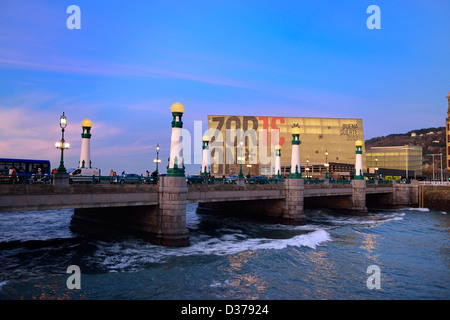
131,60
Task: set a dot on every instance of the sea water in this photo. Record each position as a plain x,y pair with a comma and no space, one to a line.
232,258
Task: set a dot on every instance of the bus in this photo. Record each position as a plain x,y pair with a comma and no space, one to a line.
24,166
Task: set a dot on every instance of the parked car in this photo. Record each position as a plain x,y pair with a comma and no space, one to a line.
195,180
258,180
232,178
128,178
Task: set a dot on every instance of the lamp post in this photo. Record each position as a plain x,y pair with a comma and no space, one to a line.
326,164
240,159
376,167
307,168
249,165
437,154
62,144
157,160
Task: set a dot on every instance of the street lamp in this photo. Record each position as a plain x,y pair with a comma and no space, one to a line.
157,160
437,154
376,167
249,165
240,159
326,164
307,168
62,144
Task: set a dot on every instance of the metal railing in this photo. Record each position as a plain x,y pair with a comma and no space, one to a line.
48,179
435,183
211,180
121,180
193,180
314,181
340,181
26,179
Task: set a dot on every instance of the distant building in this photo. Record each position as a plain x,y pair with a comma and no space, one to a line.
329,141
413,134
402,158
447,127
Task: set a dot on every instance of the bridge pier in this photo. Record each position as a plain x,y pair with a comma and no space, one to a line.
358,200
162,224
294,202
172,211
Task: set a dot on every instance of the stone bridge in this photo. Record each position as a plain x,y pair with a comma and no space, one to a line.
158,212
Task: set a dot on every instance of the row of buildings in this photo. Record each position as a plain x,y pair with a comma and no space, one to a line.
327,148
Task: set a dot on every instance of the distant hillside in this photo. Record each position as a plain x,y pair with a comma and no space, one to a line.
432,141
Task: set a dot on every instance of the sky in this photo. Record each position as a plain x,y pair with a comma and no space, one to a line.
130,61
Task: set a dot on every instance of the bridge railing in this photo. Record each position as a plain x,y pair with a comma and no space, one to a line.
379,182
276,181
26,179
119,180
340,181
48,179
212,180
314,181
265,181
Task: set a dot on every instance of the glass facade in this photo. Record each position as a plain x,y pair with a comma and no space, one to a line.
260,134
396,157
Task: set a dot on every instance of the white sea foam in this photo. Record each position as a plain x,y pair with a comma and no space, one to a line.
225,245
418,209
120,256
364,220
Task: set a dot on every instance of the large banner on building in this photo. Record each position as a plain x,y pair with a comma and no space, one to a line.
252,140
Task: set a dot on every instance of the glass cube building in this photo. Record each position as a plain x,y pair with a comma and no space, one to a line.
407,157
